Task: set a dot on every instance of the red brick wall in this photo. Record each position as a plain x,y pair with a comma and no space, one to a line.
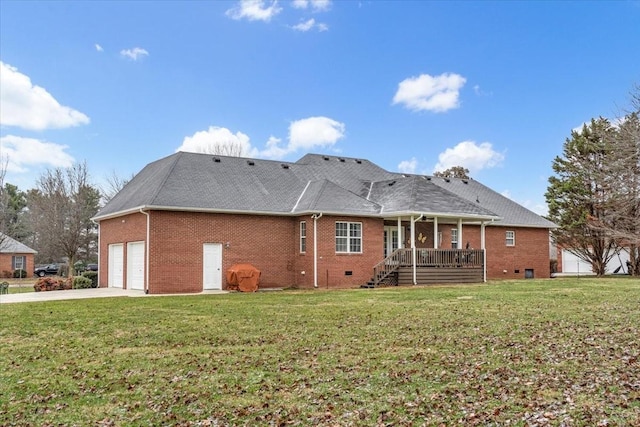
6,266
272,244
177,240
531,251
332,266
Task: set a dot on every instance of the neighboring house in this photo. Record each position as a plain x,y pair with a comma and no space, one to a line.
323,221
15,256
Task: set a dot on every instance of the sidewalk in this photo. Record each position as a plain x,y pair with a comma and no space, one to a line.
82,294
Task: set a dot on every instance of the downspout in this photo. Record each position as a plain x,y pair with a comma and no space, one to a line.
146,254
99,269
315,217
484,251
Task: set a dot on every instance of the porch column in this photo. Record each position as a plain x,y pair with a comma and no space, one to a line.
459,233
435,232
400,239
413,250
484,251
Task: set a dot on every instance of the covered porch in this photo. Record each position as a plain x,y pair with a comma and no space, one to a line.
430,266
413,257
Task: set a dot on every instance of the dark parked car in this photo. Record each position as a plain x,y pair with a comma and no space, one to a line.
51,269
92,267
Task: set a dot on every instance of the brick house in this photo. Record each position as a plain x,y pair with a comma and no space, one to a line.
323,221
15,256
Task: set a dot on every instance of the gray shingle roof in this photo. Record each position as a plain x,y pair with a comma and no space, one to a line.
315,183
510,212
9,245
419,194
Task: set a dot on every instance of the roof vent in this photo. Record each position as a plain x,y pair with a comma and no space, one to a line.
428,178
251,162
477,199
284,165
447,180
325,157
358,161
391,183
341,160
216,159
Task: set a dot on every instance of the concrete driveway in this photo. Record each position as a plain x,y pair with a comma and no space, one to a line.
82,294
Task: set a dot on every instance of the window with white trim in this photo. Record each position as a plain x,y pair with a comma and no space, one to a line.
19,262
510,238
348,237
303,236
454,238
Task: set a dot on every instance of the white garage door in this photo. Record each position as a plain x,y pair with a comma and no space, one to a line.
116,265
212,266
135,265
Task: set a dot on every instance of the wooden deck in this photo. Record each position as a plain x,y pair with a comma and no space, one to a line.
432,266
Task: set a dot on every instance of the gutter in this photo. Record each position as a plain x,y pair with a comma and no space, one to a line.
146,254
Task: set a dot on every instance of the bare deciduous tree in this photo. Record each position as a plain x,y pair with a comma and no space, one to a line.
114,183
60,211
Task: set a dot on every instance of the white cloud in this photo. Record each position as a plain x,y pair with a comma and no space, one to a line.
28,106
24,152
314,132
425,92
309,25
470,155
408,166
218,140
316,5
254,10
274,150
305,134
99,48
135,53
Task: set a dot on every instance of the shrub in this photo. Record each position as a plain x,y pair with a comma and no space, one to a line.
51,284
19,274
6,274
93,275
80,282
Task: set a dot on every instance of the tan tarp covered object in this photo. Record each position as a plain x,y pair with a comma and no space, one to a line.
243,277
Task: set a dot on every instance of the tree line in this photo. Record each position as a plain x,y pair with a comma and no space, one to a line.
54,218
594,195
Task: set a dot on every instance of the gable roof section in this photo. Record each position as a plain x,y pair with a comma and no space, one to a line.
406,194
9,245
326,196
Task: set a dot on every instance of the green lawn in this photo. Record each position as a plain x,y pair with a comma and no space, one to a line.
529,353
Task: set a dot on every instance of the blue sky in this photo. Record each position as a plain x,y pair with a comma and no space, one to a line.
496,87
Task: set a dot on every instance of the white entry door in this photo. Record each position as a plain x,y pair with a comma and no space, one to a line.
135,265
212,266
116,265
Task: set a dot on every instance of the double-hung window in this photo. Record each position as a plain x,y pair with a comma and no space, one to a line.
19,262
510,238
303,236
454,238
348,237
